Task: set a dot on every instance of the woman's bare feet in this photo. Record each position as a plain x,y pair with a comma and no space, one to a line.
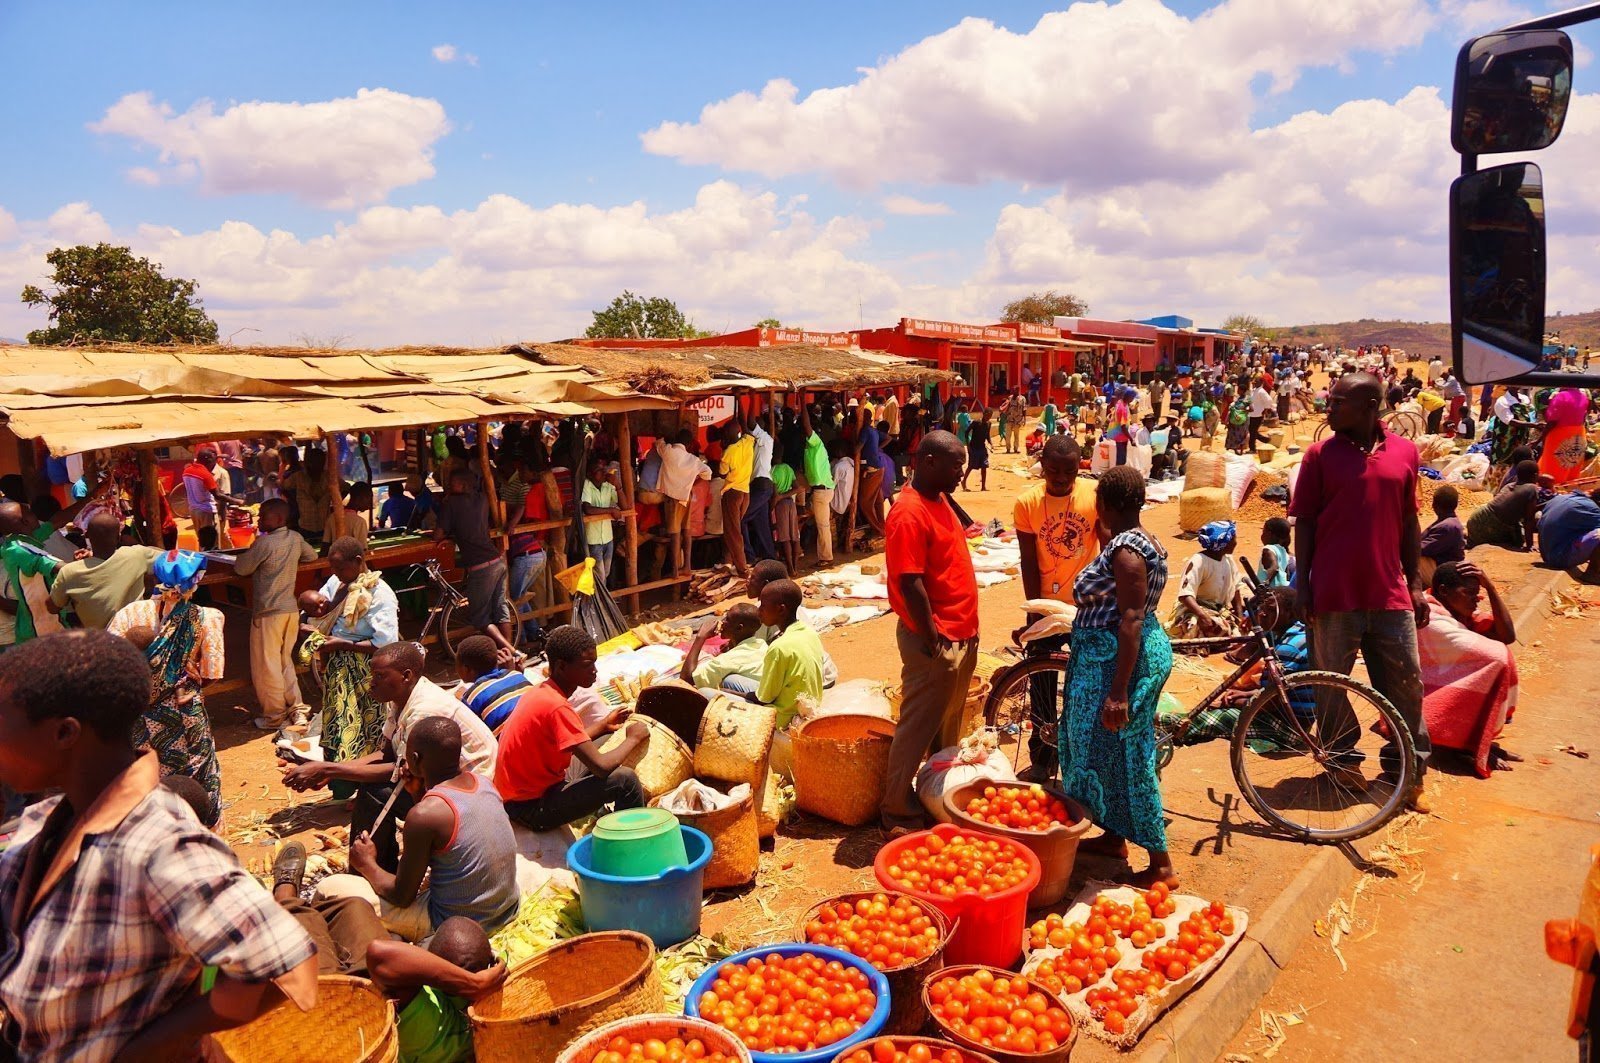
1105,845
1502,759
1153,874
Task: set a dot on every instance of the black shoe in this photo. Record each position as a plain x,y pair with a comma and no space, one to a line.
289,866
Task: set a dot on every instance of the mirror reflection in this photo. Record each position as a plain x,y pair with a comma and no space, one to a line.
1497,243
1512,91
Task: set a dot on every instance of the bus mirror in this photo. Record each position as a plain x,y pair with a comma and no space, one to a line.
1511,92
1497,272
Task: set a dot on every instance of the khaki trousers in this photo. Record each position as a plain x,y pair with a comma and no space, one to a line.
822,514
272,640
734,506
933,688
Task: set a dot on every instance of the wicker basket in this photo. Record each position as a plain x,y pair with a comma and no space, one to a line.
661,1028
1205,469
735,741
841,764
662,762
1060,1055
563,992
767,809
352,1020
735,842
907,1015
1201,506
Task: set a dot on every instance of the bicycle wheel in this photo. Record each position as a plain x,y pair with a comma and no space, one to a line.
1322,430
1406,423
1010,704
450,638
1334,763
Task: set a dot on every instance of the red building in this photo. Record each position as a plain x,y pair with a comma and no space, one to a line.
989,359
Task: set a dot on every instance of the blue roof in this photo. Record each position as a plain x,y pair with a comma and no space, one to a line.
1168,321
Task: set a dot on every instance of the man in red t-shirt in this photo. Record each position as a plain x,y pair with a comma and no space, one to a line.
1357,546
934,593
542,736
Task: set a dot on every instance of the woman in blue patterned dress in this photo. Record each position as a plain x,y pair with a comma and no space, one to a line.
1120,661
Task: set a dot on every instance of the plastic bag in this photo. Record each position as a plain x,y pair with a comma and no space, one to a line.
977,756
694,796
865,696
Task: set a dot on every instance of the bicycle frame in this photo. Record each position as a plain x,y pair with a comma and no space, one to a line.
1260,649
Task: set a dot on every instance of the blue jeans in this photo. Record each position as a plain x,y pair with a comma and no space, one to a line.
602,554
757,524
524,570
739,684
1387,639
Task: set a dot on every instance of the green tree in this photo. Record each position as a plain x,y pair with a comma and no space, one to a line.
1042,308
105,293
1244,324
630,317
768,322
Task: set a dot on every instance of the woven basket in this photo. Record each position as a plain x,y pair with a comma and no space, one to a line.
564,992
1205,469
767,809
661,1028
1203,505
735,741
735,842
352,1020
907,1015
841,764
662,762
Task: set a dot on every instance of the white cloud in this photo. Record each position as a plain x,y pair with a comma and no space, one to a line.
910,205
339,154
449,53
1092,94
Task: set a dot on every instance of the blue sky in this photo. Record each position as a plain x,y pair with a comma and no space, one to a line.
547,104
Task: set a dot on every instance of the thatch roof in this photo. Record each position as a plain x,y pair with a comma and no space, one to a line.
679,370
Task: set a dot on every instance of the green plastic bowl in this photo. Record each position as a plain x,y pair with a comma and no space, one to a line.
638,843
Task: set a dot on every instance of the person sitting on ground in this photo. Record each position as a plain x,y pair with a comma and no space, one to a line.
1511,516
433,986
1444,540
1208,596
488,689
167,897
1277,563
792,667
544,734
1569,535
1034,444
1469,675
112,576
763,573
456,833
738,667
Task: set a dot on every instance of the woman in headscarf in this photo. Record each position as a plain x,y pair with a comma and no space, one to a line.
1208,596
1512,425
362,615
183,643
1120,661
1565,441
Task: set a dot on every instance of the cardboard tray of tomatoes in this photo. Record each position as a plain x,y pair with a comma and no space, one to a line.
1154,1002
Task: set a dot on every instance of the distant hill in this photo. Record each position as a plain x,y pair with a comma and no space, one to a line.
1427,338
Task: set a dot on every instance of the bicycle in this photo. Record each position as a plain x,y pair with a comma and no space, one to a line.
1298,745
1406,423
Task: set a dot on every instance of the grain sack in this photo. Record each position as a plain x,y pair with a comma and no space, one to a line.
1204,470
1201,506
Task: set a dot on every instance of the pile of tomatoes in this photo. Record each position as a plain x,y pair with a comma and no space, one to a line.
965,863
1199,938
1018,807
1113,1005
786,1004
995,1010
887,933
884,1051
1087,952
623,1049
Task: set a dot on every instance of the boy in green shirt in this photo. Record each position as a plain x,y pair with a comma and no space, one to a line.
738,667
432,987
793,664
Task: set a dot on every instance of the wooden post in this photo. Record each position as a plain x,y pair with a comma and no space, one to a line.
487,470
150,483
331,472
855,504
630,523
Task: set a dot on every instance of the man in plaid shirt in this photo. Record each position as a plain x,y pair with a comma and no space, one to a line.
113,897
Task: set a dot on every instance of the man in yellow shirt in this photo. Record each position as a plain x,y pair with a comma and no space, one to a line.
1056,534
738,464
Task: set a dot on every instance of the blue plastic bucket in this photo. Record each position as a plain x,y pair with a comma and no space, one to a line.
870,1029
664,907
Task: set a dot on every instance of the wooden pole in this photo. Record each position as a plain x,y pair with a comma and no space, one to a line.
487,470
630,523
150,484
330,468
855,503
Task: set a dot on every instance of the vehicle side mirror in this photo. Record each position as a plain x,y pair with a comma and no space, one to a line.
1511,92
1497,272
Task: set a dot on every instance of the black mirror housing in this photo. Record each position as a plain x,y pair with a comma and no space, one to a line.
1497,272
1511,92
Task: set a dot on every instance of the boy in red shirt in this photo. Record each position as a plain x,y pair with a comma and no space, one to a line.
542,736
934,593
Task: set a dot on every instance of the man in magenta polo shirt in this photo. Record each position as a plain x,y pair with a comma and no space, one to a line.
934,593
1357,544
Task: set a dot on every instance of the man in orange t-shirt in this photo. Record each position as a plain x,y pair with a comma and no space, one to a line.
934,593
543,734
1056,533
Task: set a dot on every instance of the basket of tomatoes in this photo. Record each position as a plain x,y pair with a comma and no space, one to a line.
979,881
1009,1016
1121,956
793,1003
1039,816
898,934
911,1050
646,1038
